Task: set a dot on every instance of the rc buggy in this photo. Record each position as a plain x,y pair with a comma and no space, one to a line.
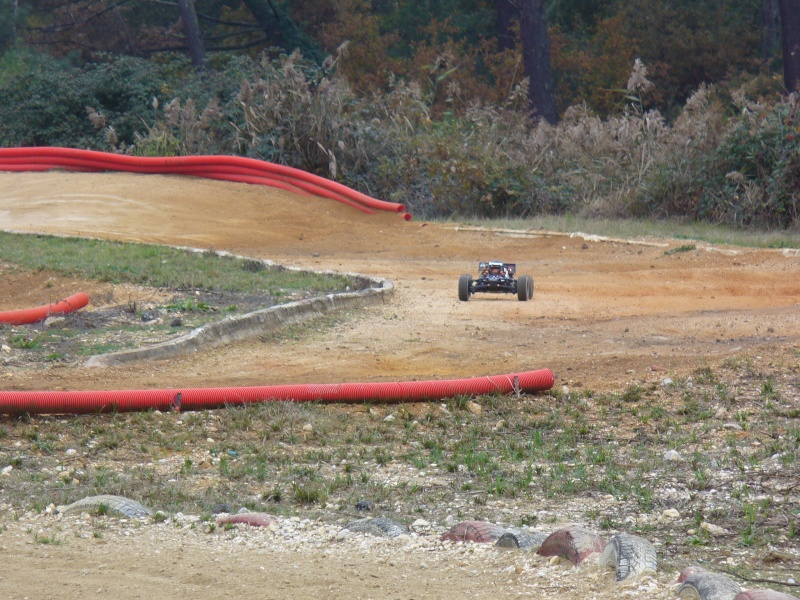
498,278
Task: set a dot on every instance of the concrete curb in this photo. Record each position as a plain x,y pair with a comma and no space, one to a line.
242,327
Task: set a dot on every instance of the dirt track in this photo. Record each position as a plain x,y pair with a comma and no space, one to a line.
605,314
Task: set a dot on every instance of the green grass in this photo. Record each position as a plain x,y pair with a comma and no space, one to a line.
157,266
541,454
47,540
181,272
679,249
23,342
635,228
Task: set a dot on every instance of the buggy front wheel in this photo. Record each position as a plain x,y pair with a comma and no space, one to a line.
464,287
525,288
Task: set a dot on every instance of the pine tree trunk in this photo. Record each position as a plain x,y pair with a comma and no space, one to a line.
770,29
790,37
280,30
505,15
191,29
536,58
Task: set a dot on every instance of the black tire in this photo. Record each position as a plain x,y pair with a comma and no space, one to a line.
525,288
464,285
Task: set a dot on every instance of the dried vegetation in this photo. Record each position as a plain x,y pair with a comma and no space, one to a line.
705,466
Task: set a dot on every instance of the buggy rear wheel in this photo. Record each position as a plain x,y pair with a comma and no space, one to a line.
525,288
464,287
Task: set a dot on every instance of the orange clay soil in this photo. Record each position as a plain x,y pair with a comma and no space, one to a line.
604,314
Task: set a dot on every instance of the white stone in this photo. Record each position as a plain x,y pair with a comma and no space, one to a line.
712,529
420,524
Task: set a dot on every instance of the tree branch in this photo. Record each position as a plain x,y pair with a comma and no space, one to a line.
75,23
209,49
204,17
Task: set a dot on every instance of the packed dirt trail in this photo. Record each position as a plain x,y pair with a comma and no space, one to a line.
605,314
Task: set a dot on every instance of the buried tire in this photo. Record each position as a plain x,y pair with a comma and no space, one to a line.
464,285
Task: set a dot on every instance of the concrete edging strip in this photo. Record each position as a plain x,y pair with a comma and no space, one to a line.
242,327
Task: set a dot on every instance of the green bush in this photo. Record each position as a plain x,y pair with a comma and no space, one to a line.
45,102
42,103
465,168
743,172
754,175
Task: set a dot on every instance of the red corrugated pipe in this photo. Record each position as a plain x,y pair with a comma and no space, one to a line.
40,313
225,174
16,159
85,402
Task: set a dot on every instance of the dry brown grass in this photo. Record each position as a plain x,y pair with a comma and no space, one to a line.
491,160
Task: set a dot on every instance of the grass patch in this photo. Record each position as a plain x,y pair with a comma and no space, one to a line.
158,266
613,461
679,249
192,289
643,228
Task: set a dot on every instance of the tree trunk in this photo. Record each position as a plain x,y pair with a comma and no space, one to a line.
790,37
536,59
14,26
191,29
8,27
770,29
281,30
505,16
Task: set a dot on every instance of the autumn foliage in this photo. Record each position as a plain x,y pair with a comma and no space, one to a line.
663,113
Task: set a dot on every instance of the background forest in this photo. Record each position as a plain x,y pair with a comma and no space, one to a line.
674,109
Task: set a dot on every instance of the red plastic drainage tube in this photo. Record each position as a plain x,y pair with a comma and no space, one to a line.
40,313
233,168
85,402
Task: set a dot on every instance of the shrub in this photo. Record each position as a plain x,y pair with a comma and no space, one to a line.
725,159
40,105
754,175
104,105
471,166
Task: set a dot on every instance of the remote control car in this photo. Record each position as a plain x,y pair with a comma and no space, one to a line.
496,277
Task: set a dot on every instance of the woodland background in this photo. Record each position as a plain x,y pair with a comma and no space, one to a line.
682,109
